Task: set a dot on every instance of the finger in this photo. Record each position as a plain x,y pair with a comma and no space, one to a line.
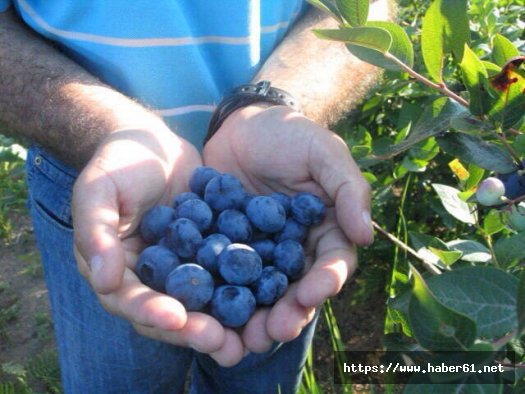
255,337
201,332
231,352
141,305
96,219
288,317
334,169
335,261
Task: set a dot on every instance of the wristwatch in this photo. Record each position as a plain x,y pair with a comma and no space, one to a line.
244,95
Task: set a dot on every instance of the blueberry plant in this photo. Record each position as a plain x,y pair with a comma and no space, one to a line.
452,166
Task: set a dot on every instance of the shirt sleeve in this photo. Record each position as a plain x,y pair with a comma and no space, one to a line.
4,5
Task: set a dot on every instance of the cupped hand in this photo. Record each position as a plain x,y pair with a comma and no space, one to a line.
276,149
131,171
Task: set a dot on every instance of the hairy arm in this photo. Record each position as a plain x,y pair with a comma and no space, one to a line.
323,75
48,98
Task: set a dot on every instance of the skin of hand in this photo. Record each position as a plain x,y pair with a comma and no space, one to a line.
132,170
273,148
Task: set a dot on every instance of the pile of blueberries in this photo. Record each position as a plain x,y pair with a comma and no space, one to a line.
221,250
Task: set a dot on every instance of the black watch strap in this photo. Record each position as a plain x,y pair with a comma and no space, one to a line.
244,95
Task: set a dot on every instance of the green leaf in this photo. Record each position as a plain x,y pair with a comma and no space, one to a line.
355,12
509,250
401,48
453,204
445,29
520,297
487,295
471,251
467,122
475,78
375,38
435,326
448,257
492,69
472,149
475,175
434,120
328,7
503,50
492,222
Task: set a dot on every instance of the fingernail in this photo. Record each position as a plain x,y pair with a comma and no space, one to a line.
367,219
246,352
95,266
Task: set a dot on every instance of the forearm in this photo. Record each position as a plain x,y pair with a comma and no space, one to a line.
323,75
49,99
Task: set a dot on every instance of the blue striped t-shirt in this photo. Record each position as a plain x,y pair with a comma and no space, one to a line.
177,57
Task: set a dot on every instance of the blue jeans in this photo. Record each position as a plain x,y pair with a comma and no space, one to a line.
101,353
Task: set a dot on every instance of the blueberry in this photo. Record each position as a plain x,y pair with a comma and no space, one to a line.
235,225
288,257
266,213
292,230
192,285
307,209
200,178
197,211
224,192
155,222
153,266
490,191
514,185
284,199
184,238
270,286
232,306
264,248
239,264
209,251
183,197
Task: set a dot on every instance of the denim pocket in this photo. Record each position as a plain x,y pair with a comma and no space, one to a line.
50,184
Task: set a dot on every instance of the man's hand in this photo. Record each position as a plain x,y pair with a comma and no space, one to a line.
132,170
276,149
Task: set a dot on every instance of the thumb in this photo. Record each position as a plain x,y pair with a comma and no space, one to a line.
335,170
96,221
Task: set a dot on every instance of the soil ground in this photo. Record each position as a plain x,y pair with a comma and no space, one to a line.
26,329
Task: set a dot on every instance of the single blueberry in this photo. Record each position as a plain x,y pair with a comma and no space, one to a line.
239,264
307,208
232,305
209,251
235,225
153,266
184,238
514,185
192,285
266,213
224,192
292,230
264,248
288,257
284,199
270,286
155,222
197,211
183,197
200,178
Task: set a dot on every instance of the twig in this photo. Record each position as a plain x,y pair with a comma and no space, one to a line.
429,266
438,86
